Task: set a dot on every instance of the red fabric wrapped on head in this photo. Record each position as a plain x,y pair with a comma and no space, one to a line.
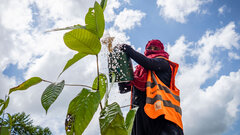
140,74
155,53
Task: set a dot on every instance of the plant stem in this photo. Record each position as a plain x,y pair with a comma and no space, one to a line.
98,80
127,106
72,84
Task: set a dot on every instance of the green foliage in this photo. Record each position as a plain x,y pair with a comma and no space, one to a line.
10,120
112,120
51,93
22,124
4,131
80,111
103,4
4,105
28,83
1,101
75,59
130,119
94,20
86,41
83,41
102,84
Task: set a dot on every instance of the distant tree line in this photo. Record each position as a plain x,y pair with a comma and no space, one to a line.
21,124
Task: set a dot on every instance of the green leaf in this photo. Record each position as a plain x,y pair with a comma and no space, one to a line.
1,101
4,131
103,4
80,111
10,121
83,41
4,105
112,120
77,26
51,93
75,59
28,83
108,91
94,20
100,22
130,119
90,21
102,84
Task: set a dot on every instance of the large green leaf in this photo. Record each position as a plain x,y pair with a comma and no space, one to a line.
75,59
77,26
102,84
112,120
103,4
94,20
83,41
51,93
80,111
28,83
4,105
130,119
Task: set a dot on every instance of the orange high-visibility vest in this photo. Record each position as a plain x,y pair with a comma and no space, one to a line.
163,100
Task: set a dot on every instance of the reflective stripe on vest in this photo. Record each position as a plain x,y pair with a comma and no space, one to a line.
162,100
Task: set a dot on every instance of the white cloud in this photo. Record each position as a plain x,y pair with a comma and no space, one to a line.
109,13
225,37
222,9
120,36
218,104
180,50
16,15
180,9
233,55
128,18
45,55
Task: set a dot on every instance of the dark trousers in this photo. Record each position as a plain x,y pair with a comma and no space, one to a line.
143,125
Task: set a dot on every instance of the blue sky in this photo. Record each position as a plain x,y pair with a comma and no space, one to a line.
203,36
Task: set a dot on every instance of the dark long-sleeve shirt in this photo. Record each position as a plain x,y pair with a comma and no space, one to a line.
159,65
143,124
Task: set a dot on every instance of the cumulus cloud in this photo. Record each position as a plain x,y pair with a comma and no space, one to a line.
44,55
109,12
225,37
180,50
233,55
16,15
179,10
128,19
25,44
218,104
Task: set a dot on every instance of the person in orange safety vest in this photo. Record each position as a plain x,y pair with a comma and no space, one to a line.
154,91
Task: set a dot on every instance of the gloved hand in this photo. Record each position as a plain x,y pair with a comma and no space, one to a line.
124,47
124,87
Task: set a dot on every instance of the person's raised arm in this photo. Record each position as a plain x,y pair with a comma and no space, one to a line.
155,64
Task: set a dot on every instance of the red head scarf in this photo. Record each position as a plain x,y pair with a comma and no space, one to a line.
140,74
